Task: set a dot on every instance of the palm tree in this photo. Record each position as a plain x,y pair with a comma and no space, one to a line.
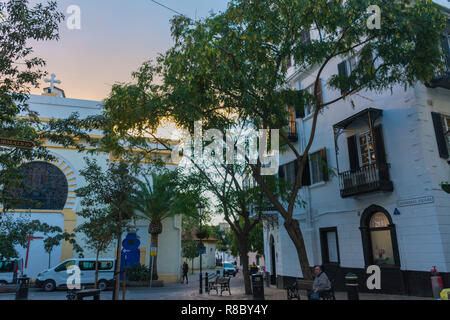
154,201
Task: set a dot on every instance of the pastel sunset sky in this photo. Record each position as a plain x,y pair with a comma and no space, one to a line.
116,36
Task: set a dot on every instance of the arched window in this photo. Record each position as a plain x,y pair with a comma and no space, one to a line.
45,188
379,237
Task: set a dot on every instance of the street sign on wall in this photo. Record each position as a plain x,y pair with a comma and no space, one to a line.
16,143
153,251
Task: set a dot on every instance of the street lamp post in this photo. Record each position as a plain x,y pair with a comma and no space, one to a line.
200,207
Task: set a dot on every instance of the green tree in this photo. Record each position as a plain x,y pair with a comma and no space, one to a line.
233,65
190,251
99,232
14,232
109,190
155,201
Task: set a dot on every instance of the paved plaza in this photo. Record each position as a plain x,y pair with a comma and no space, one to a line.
178,291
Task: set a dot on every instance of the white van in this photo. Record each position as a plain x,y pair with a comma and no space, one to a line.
57,276
10,270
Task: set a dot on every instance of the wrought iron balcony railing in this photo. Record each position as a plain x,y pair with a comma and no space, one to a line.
369,178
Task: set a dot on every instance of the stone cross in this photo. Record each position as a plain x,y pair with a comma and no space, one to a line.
52,82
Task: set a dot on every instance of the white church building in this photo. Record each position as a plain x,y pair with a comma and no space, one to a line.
385,205
56,183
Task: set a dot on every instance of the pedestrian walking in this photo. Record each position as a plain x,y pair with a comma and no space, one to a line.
185,272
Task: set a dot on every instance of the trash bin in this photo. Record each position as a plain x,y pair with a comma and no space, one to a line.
22,288
351,282
258,287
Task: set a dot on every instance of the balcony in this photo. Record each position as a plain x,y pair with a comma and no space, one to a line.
441,80
366,179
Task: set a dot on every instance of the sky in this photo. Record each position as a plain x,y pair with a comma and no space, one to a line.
115,38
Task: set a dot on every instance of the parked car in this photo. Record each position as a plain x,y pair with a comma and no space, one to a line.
10,270
229,269
57,276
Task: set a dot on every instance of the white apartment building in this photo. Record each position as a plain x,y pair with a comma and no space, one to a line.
384,204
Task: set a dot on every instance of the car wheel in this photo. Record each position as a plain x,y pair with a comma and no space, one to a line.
102,285
49,285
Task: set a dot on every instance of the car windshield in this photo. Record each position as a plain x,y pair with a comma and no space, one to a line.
228,265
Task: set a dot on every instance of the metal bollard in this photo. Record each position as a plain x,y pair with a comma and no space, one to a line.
206,283
22,288
268,279
351,282
200,290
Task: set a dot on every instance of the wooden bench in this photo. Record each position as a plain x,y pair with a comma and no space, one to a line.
79,295
222,282
293,290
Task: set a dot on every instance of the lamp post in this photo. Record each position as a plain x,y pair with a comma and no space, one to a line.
200,207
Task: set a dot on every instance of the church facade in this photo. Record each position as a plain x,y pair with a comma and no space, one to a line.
55,184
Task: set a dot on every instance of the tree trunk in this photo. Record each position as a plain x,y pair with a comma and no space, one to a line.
243,254
155,259
96,270
117,268
292,227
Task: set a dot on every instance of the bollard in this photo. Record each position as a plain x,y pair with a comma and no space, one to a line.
200,290
22,288
268,279
351,282
206,283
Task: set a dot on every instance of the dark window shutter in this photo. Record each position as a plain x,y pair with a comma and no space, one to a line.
353,153
320,91
281,172
324,163
342,71
300,112
380,153
306,178
440,138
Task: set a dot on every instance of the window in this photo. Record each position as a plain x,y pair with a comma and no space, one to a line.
446,123
46,184
381,241
441,125
318,166
65,265
366,149
379,237
330,245
309,108
105,265
6,266
87,265
289,171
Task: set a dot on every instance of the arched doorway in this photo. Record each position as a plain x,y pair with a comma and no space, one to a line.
273,268
379,237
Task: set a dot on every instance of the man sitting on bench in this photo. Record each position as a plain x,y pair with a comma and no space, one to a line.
321,283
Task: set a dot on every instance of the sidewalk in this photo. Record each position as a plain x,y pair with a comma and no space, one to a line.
273,293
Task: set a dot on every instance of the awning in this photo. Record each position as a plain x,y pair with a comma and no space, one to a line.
364,114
